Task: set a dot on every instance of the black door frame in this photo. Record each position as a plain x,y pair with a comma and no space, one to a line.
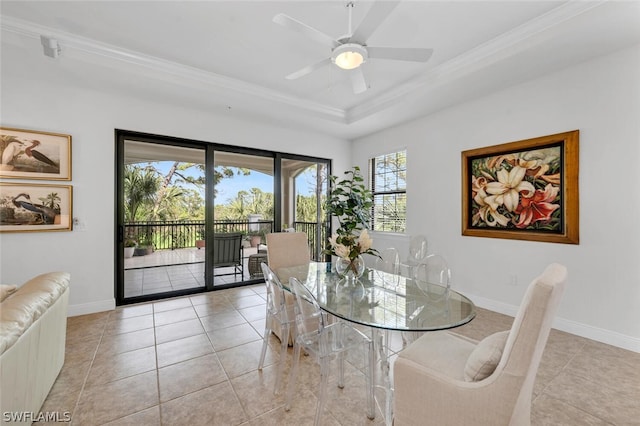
209,148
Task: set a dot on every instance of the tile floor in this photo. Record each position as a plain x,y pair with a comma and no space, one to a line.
193,360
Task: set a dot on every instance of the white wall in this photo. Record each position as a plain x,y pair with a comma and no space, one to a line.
33,99
601,98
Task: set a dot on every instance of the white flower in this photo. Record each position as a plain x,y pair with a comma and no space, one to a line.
341,251
364,241
508,188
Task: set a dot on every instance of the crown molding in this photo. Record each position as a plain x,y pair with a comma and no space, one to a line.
184,74
505,45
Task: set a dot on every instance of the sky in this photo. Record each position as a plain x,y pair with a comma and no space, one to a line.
228,188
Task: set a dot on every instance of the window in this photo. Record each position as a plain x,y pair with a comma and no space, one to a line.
389,187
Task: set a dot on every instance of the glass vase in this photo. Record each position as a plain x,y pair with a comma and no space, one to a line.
350,269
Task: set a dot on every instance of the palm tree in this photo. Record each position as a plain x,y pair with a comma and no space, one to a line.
306,208
260,202
169,204
52,200
237,208
140,188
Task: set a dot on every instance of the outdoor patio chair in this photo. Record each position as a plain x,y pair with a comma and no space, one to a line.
228,253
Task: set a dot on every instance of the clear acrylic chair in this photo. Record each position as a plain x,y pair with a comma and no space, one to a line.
387,266
388,261
432,276
325,342
278,312
417,249
417,255
434,270
285,249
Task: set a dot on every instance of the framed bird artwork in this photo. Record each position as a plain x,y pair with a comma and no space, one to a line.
29,154
35,207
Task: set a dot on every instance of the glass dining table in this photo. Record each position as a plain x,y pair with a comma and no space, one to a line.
383,302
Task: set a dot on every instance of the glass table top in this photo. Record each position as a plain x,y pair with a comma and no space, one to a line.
382,300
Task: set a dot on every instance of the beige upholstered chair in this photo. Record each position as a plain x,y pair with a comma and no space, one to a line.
444,379
285,249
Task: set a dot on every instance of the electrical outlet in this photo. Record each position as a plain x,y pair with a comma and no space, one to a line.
513,280
78,225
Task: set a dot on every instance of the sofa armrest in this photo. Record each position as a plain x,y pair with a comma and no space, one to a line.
33,339
28,303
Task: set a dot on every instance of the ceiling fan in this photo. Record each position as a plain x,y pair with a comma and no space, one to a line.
350,51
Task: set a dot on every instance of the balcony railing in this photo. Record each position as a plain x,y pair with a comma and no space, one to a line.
170,235
316,246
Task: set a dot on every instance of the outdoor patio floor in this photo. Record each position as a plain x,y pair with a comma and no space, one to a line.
169,270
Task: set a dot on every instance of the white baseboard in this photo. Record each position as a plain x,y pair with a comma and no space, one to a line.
91,308
583,330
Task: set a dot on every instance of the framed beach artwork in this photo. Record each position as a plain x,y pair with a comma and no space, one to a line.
524,190
28,207
28,154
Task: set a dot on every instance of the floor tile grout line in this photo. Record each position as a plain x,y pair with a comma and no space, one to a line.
95,353
544,388
155,347
107,321
226,373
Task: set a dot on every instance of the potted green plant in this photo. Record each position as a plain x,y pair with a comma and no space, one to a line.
129,247
145,245
351,203
255,237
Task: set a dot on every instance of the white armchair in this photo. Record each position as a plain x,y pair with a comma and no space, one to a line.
444,379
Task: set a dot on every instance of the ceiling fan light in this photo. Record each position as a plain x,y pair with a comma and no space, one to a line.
349,56
349,60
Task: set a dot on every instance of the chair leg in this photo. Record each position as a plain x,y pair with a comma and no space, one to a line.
283,353
370,359
341,370
339,330
292,377
265,339
322,399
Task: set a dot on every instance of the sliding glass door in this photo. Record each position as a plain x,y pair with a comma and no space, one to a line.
192,216
162,219
304,187
243,214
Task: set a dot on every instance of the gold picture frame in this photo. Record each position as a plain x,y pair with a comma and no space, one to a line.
523,190
26,207
30,154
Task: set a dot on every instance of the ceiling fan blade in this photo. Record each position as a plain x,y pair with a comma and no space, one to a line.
416,54
358,80
312,33
308,69
376,15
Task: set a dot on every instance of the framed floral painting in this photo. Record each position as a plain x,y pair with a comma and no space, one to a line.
524,190
28,207
28,154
